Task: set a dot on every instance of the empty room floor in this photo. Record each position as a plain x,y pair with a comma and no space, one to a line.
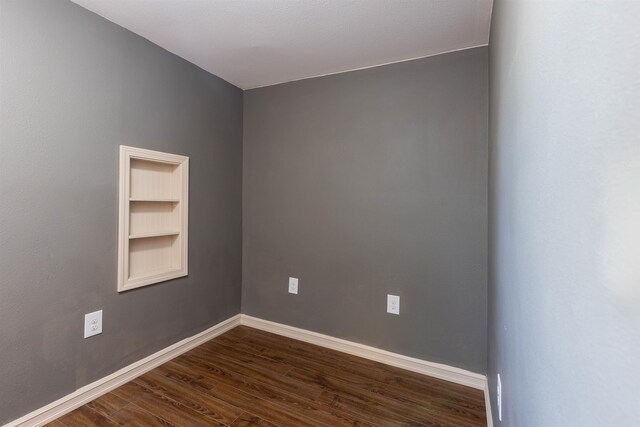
250,377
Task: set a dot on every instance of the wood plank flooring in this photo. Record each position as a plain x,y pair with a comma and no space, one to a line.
248,377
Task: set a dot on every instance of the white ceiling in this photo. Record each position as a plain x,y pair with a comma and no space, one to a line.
253,43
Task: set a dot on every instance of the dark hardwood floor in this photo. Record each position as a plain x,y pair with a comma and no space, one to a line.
248,377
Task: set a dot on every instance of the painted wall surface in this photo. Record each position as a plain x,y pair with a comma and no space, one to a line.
370,183
74,86
564,295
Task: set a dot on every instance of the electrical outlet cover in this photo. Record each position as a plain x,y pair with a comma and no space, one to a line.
293,285
393,304
93,324
499,398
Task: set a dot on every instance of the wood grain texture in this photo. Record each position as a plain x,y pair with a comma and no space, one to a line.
248,377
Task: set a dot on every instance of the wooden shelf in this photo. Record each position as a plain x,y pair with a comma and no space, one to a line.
157,234
154,200
157,273
153,217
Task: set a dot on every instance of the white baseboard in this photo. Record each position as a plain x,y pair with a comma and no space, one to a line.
487,403
96,389
437,370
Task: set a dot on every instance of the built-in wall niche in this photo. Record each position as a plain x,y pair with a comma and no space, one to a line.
153,217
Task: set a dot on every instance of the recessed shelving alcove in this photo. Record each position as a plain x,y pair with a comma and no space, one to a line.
153,217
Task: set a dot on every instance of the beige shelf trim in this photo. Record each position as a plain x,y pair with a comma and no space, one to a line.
153,217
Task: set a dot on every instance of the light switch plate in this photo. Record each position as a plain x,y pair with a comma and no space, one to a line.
92,324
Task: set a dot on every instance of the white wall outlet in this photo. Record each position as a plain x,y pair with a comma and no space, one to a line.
393,304
499,398
93,324
293,285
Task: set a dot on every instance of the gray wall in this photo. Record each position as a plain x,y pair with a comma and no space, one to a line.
367,183
73,87
564,297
